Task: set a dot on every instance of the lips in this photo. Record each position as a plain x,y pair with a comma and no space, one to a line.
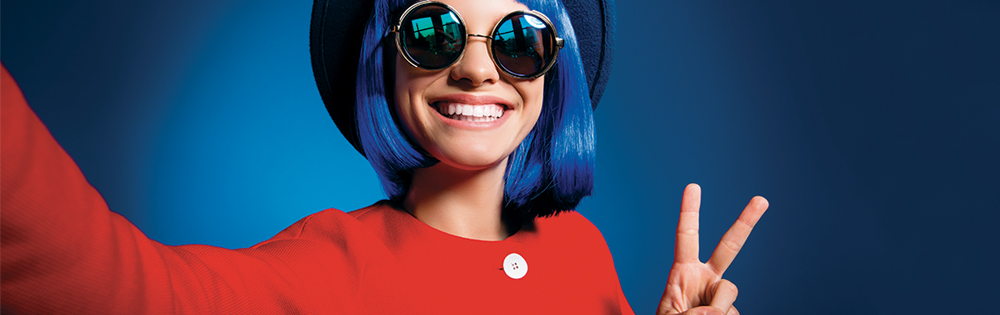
470,112
473,108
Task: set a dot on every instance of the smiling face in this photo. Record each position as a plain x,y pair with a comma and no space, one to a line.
469,115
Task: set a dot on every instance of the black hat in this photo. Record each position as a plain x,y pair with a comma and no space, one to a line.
335,44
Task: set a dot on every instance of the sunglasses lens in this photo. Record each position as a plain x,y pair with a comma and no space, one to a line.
432,36
523,45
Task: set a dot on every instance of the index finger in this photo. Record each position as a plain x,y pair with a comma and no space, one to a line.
734,239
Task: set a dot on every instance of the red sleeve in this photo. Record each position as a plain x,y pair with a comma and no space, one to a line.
581,240
589,234
601,246
623,303
63,251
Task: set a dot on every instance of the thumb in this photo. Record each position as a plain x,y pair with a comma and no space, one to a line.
703,310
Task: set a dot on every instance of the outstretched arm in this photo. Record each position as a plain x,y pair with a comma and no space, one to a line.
694,287
63,251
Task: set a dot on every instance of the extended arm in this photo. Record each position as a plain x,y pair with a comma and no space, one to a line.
63,251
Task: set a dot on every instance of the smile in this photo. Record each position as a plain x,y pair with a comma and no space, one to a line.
467,112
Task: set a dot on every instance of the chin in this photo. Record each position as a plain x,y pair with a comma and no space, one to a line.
471,159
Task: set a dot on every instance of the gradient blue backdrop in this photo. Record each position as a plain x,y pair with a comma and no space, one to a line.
873,127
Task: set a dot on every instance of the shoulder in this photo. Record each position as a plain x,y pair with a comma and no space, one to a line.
569,223
571,251
571,232
329,257
331,226
325,239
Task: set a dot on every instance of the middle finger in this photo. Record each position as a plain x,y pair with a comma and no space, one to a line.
686,244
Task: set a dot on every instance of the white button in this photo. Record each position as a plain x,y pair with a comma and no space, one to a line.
515,266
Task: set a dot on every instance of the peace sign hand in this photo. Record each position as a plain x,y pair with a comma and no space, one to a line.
694,287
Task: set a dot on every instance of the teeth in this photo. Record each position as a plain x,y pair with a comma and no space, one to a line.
475,113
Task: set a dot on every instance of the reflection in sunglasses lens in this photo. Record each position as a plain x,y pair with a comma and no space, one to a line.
433,36
519,44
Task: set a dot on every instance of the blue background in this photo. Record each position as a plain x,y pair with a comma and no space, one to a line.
873,127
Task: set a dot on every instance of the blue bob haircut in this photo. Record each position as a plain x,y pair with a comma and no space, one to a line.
550,171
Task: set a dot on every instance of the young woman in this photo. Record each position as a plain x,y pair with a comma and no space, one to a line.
478,118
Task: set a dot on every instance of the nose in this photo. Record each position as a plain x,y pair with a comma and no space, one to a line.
476,66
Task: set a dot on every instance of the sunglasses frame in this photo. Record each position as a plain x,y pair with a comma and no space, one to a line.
558,42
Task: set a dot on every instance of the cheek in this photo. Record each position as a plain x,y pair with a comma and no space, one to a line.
400,85
534,95
409,88
400,88
403,95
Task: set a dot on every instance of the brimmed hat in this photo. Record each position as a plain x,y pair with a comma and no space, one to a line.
335,44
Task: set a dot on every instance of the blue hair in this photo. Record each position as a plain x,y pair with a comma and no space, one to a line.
550,171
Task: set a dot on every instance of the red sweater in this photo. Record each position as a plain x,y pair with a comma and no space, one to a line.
63,251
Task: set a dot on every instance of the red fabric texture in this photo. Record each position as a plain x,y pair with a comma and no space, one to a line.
63,251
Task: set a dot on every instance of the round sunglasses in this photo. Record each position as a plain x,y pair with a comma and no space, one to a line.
431,35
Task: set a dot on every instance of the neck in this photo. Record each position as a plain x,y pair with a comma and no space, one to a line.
465,203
